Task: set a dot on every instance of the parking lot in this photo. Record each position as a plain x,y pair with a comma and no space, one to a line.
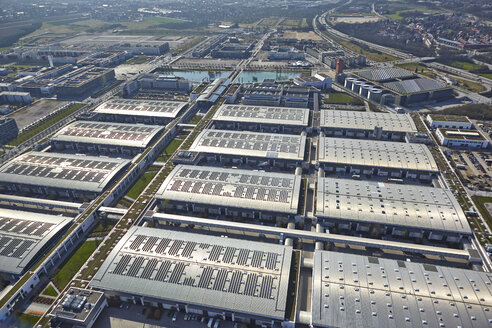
475,167
36,111
135,316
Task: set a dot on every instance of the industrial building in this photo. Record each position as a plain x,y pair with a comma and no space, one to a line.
396,86
461,138
254,149
139,111
24,237
366,125
60,175
233,279
135,45
232,193
80,83
15,98
273,94
114,139
261,118
8,130
286,54
360,291
379,158
386,209
155,83
449,122
78,308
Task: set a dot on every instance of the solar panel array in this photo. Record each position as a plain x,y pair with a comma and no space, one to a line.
250,143
102,130
414,85
35,167
373,202
346,119
231,187
141,107
385,74
176,264
263,114
17,236
381,154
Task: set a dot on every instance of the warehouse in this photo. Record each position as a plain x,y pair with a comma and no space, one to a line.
382,209
461,138
254,149
366,125
232,193
361,291
236,280
24,236
261,118
379,158
139,111
60,175
114,139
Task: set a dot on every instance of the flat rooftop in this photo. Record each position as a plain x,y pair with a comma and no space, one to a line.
74,172
414,85
449,118
153,108
102,133
359,291
410,206
347,119
462,134
23,235
381,154
232,188
384,74
203,271
254,144
263,114
77,305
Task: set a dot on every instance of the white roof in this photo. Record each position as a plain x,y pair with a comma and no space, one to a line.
391,204
74,172
359,291
229,274
354,120
103,133
381,154
254,144
263,114
157,108
215,186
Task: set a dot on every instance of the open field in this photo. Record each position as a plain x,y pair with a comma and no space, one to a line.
402,14
64,274
356,19
371,55
302,35
26,135
49,291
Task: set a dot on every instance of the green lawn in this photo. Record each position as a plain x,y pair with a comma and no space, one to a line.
341,98
140,185
195,119
487,75
480,202
25,320
136,60
170,149
26,135
464,65
50,291
64,274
